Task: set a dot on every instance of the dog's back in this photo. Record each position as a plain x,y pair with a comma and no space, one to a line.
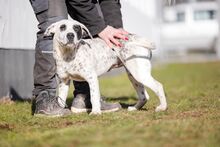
106,58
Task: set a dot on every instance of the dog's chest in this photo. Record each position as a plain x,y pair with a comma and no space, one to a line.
70,70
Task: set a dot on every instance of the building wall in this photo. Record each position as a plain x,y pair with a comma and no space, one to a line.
18,25
142,17
139,17
16,73
18,28
218,48
185,27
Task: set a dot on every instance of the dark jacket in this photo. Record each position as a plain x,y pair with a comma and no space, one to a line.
87,13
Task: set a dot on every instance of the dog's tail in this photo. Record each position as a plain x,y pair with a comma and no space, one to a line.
140,41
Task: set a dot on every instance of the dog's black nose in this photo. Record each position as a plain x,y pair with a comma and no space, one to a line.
70,36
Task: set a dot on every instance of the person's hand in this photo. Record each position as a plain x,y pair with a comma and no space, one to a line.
111,35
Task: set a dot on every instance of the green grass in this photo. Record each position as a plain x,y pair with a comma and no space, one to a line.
193,117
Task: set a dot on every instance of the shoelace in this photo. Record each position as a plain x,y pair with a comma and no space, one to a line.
62,101
55,100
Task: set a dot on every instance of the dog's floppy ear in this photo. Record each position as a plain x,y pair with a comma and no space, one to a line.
85,32
50,30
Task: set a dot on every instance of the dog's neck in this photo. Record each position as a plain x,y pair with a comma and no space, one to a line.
64,53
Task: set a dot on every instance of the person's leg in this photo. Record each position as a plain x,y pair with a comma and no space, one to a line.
82,103
47,12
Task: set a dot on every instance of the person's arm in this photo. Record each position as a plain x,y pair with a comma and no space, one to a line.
111,10
86,12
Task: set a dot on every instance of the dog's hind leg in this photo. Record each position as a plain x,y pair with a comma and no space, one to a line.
63,89
156,87
140,69
141,92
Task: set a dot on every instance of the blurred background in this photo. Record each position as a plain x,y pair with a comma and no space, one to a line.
185,31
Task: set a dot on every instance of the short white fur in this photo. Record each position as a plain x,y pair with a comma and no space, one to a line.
86,59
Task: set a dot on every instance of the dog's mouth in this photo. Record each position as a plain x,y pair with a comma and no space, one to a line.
70,41
69,44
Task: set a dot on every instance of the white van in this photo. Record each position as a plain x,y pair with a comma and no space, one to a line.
192,25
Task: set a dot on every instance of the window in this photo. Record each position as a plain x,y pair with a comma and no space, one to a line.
205,0
180,17
174,2
181,1
204,14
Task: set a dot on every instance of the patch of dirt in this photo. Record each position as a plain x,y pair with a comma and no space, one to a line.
6,127
80,122
186,114
69,123
6,100
193,114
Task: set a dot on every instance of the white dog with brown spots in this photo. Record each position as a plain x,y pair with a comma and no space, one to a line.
85,59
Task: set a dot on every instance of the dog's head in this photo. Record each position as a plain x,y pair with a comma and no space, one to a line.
67,33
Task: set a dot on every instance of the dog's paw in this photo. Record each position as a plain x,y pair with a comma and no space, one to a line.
161,108
95,113
132,108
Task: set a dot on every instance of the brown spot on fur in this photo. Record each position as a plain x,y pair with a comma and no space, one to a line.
77,77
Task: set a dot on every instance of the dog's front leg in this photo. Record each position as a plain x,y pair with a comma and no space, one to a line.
63,92
93,82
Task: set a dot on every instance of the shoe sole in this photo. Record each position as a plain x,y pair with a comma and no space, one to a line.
44,114
77,110
47,115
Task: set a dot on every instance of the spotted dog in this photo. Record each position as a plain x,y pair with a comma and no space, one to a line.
85,59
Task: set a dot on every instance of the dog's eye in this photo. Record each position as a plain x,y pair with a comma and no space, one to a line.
76,28
63,27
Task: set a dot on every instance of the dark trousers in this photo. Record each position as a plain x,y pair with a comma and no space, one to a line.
48,12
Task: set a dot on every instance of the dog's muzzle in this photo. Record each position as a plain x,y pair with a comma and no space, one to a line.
70,37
